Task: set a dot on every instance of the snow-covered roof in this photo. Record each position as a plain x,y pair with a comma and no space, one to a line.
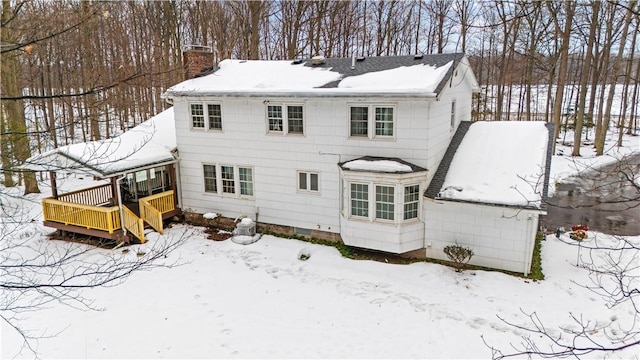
392,75
381,165
151,142
498,162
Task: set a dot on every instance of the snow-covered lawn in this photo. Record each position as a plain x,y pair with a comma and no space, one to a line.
227,300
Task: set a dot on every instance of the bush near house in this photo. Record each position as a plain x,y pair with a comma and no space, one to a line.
459,255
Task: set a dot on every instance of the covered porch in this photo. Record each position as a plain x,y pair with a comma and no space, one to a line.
140,166
118,210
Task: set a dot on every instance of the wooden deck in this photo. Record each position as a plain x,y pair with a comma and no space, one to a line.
90,212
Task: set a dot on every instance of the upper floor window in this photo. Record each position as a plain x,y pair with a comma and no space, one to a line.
372,121
285,119
211,112
453,114
197,116
215,116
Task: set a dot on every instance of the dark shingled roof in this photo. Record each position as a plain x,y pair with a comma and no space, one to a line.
438,178
366,65
414,168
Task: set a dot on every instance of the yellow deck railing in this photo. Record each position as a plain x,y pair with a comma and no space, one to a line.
91,217
107,218
151,215
163,202
97,195
133,223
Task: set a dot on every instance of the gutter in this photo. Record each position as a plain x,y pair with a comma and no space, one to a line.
299,94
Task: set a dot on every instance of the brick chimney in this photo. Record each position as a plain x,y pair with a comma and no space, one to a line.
197,60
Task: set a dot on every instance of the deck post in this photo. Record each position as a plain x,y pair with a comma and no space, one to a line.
114,190
54,186
174,186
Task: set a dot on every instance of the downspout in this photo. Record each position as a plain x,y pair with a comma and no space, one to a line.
528,249
124,229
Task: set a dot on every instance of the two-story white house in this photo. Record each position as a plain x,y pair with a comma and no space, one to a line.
277,140
340,149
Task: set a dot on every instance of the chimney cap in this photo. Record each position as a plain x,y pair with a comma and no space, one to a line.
193,47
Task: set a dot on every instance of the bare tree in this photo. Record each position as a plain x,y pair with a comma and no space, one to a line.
613,267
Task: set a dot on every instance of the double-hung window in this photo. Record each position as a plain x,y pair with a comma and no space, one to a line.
384,202
360,200
371,121
210,180
206,116
411,201
246,181
228,180
197,116
285,119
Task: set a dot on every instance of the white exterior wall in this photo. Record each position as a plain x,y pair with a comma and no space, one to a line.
441,132
275,158
501,238
422,133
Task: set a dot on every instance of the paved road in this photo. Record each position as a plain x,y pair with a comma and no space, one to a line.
594,199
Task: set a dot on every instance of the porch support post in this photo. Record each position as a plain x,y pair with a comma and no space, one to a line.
174,186
54,185
114,190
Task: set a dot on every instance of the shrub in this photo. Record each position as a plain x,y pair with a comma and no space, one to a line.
459,255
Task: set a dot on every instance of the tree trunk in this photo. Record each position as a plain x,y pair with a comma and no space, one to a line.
584,79
13,117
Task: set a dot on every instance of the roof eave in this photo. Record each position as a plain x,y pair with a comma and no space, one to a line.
303,94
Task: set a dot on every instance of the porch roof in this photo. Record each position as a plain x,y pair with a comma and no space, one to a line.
147,144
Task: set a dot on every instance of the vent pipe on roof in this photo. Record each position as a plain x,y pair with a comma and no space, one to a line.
317,60
353,61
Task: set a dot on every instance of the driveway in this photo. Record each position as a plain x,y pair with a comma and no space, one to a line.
603,199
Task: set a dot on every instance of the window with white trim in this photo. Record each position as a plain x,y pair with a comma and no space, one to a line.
285,119
308,181
214,111
371,121
411,201
197,116
207,117
232,180
453,114
210,180
384,202
360,200
246,181
228,183
385,206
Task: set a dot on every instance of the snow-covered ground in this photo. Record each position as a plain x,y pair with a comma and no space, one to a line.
261,301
